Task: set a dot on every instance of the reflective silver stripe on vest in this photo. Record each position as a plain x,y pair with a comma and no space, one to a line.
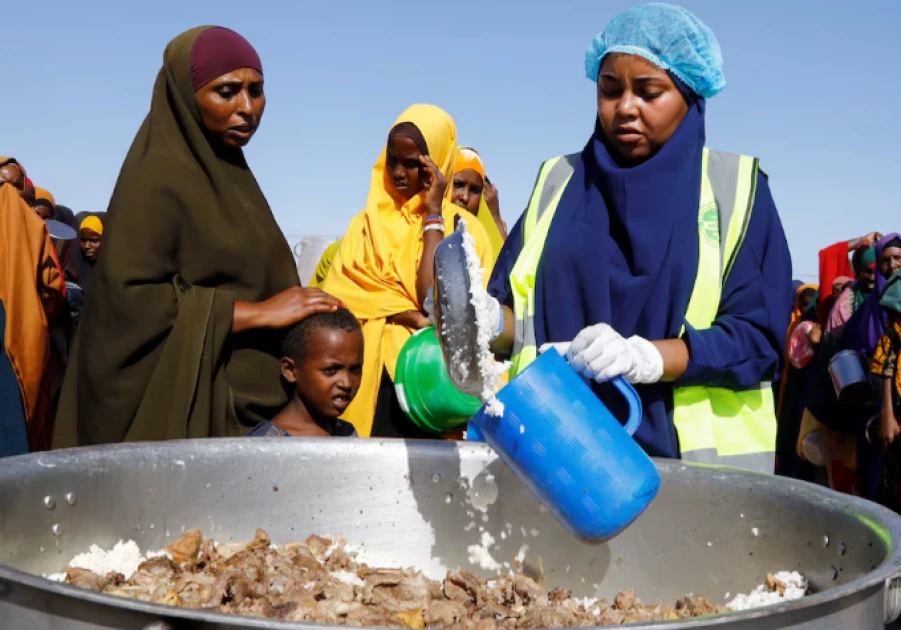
561,171
559,175
755,462
722,172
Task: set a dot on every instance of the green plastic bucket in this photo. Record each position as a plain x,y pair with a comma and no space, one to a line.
424,388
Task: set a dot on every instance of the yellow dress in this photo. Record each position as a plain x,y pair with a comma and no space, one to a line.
375,268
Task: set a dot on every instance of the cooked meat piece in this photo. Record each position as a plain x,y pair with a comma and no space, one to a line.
397,591
547,617
625,600
340,559
335,589
456,593
185,548
610,617
559,596
319,546
530,592
227,550
444,613
90,580
690,606
469,583
195,589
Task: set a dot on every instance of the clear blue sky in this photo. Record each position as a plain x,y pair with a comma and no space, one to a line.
813,90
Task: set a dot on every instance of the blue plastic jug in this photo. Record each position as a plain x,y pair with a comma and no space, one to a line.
563,443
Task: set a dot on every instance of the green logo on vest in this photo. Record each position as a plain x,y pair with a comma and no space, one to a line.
709,226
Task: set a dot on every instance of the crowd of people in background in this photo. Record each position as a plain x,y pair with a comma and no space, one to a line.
848,441
179,313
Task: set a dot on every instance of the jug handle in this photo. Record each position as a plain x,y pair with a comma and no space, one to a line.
628,392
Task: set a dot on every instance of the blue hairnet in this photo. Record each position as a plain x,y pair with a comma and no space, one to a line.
669,37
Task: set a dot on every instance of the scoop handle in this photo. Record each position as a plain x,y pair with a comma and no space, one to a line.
632,398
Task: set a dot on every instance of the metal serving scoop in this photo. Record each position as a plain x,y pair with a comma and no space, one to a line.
455,315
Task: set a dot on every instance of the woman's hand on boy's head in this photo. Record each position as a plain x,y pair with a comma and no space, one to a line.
292,305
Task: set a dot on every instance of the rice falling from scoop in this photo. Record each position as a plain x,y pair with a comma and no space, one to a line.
489,369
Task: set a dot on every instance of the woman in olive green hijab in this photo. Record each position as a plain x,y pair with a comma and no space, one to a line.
195,278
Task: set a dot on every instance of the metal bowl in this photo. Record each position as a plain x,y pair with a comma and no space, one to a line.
711,531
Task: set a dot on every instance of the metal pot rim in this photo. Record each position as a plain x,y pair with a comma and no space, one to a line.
878,516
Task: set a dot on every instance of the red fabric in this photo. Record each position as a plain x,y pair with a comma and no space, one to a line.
218,51
833,264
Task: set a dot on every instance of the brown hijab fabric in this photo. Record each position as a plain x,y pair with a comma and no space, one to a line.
188,233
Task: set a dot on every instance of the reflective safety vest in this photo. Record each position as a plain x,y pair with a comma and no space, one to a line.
714,425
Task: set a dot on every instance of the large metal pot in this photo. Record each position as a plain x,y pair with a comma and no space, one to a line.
711,531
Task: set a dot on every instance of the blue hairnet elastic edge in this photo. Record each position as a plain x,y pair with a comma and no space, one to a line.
593,67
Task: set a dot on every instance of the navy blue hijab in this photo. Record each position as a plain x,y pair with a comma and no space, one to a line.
623,250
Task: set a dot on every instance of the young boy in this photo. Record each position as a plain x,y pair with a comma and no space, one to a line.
885,366
322,363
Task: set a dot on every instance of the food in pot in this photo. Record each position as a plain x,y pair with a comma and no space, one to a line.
322,581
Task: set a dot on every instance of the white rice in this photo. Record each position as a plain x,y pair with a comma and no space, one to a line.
796,588
489,369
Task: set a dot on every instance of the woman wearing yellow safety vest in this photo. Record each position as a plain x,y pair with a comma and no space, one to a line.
649,256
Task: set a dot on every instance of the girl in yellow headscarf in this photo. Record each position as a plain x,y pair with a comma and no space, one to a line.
384,265
473,191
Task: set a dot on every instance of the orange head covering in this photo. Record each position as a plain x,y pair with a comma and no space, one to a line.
43,196
31,289
468,159
92,223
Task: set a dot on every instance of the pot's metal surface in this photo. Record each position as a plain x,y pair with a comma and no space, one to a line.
455,314
710,531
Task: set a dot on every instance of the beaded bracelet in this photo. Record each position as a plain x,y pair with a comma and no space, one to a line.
433,227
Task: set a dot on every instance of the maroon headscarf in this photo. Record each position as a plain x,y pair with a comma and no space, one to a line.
218,51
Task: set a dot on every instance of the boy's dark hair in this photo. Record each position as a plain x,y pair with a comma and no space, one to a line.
294,342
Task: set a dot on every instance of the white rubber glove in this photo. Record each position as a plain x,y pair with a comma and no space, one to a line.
600,353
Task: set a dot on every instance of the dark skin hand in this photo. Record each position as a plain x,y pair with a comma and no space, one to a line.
231,107
325,381
283,309
888,426
435,185
494,205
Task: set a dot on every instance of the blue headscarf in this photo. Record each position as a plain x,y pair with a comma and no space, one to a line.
623,249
